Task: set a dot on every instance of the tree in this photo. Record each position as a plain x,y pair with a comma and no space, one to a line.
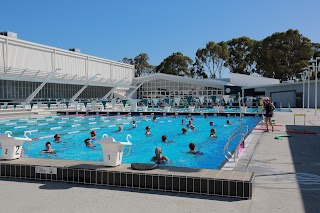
241,58
283,55
212,58
198,70
127,60
141,64
176,64
316,50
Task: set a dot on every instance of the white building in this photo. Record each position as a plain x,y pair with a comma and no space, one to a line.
24,66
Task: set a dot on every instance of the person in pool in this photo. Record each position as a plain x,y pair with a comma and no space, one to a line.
164,139
184,131
148,130
205,116
154,119
190,125
228,122
48,149
134,124
193,150
213,133
93,135
211,123
159,158
88,142
57,138
120,127
182,122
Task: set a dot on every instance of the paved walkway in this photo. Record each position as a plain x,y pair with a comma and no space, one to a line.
287,180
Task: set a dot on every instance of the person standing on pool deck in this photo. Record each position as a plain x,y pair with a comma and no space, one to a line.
269,113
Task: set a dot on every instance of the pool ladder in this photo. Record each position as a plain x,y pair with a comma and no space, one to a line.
235,133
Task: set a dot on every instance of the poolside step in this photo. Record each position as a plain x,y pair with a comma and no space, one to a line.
206,182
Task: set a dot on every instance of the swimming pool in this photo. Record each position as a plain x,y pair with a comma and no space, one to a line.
74,129
212,110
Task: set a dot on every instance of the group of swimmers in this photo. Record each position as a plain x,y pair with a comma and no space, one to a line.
57,139
158,158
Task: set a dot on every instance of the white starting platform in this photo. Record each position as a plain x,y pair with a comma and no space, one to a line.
12,146
113,150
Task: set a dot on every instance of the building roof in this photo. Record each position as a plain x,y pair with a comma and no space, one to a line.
203,82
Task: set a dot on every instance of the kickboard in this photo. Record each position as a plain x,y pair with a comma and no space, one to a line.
281,136
143,166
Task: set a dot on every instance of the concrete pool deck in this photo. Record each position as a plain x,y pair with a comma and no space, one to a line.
287,180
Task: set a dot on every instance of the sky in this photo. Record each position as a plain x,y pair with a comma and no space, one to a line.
126,28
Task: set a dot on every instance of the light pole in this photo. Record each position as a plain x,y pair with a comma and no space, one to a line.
304,78
315,68
308,71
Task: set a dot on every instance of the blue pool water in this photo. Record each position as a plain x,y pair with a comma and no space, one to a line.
74,129
212,110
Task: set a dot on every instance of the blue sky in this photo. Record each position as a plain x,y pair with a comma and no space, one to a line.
117,29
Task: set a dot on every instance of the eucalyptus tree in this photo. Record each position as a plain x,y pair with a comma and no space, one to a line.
212,58
176,64
241,58
283,54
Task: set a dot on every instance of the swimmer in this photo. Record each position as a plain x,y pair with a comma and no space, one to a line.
193,150
211,123
228,121
159,158
164,139
184,131
187,116
205,116
57,138
48,149
88,142
154,119
213,133
120,127
93,135
134,124
182,122
190,125
148,130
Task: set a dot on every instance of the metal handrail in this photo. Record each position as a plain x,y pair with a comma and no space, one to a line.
232,136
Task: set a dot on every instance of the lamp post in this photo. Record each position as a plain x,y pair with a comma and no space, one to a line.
308,72
315,68
304,78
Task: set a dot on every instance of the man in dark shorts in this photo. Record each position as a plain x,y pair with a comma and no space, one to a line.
269,112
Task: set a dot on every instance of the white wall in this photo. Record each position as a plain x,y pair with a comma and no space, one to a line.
251,80
20,54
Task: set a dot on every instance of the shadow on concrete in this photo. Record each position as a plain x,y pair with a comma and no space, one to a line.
47,185
305,151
